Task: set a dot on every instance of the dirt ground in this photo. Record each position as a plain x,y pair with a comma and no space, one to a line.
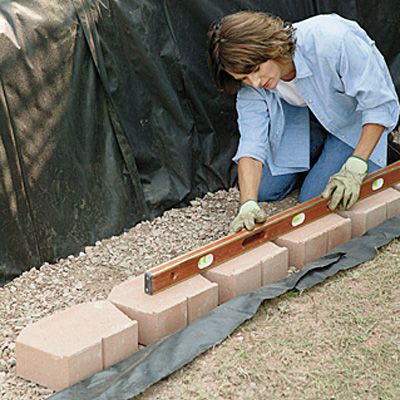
337,340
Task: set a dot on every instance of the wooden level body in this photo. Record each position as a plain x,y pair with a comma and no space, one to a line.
209,256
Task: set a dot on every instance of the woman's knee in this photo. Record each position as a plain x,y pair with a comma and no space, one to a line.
276,188
308,192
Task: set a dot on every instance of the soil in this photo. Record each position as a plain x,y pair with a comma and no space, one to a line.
337,340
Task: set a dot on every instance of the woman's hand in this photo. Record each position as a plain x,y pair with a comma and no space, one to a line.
249,175
249,215
344,187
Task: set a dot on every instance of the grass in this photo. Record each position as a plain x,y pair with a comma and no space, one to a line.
337,340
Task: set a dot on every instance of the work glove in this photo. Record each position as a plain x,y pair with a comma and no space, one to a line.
344,187
249,214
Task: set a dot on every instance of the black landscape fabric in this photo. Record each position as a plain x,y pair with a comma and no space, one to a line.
108,114
132,376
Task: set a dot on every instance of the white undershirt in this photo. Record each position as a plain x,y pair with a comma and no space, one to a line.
289,92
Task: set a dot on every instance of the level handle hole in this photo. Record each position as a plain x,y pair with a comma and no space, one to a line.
254,240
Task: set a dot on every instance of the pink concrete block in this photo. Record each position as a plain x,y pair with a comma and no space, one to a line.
372,211
74,344
339,233
397,187
274,263
168,311
200,302
118,346
392,199
249,271
311,241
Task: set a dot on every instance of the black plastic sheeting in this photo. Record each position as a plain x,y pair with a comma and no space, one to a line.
108,114
132,376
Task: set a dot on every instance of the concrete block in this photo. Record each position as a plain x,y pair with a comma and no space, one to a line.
372,211
74,344
311,241
202,297
249,271
339,233
391,197
274,263
168,311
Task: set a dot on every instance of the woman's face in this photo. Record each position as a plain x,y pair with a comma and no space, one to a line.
267,74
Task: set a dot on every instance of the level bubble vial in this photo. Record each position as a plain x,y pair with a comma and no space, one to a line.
205,261
298,219
377,184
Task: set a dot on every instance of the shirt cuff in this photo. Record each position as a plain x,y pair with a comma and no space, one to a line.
385,115
251,149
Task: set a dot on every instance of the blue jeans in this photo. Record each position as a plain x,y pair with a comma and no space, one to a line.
327,155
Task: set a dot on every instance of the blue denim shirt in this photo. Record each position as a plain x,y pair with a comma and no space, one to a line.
345,82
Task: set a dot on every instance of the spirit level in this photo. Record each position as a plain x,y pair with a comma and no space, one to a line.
210,255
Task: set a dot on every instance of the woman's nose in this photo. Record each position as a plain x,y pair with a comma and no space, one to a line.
254,80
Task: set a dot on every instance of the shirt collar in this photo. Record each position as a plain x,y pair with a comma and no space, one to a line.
302,70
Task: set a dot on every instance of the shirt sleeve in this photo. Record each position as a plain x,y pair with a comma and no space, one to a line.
254,124
365,77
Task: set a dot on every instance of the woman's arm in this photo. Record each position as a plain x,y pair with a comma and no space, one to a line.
370,136
249,175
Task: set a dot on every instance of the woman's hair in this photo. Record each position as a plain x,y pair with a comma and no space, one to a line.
240,42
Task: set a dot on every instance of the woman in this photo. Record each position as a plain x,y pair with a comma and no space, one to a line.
315,103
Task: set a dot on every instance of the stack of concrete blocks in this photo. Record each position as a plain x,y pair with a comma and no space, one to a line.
72,345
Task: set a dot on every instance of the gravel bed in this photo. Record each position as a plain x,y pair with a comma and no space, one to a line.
90,276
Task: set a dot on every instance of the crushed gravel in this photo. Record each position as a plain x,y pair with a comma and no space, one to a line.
39,293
